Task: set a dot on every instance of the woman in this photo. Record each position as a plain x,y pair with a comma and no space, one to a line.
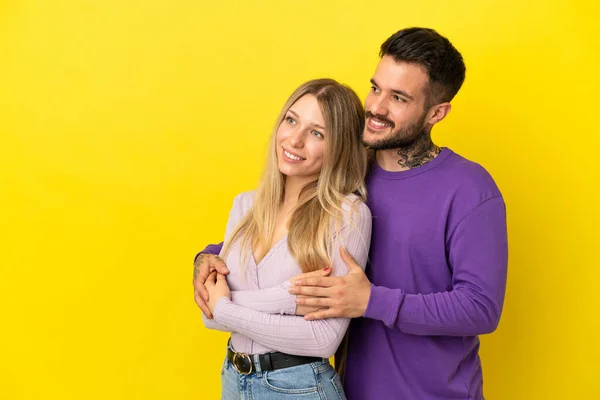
309,203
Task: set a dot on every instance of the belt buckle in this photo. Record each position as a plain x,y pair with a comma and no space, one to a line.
243,368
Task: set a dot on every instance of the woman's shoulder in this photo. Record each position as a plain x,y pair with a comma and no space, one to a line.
243,201
355,207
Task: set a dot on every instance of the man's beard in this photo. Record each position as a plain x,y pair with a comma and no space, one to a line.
403,137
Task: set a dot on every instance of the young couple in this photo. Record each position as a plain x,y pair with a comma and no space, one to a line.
290,277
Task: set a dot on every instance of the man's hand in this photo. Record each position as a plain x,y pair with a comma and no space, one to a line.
217,287
302,309
341,296
204,265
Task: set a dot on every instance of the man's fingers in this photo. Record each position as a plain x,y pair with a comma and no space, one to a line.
204,271
202,304
348,259
303,310
201,289
320,302
210,281
321,314
323,281
219,264
309,291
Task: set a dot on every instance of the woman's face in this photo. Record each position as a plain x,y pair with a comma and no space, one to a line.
300,140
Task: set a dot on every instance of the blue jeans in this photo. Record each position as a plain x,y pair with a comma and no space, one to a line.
317,380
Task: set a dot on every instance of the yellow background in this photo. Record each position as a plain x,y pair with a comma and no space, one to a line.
128,126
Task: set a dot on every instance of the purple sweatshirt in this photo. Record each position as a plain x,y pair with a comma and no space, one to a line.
438,264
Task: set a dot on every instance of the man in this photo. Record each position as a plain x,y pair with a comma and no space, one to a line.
438,258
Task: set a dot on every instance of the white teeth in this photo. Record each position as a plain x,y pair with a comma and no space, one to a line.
378,123
293,157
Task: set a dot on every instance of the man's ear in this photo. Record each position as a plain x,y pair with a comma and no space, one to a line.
438,113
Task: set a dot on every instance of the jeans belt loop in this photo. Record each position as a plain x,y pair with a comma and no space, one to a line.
257,366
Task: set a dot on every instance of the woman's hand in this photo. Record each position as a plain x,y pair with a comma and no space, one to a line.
217,288
314,274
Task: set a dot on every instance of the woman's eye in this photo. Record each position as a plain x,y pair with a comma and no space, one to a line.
318,134
290,120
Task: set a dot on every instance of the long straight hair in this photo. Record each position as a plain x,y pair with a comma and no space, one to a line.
318,213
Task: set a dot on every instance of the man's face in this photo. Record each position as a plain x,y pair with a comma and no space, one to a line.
395,106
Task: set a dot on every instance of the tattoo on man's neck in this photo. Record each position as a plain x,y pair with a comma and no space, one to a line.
418,153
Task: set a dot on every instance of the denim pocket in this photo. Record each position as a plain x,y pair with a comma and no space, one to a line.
336,382
299,380
332,384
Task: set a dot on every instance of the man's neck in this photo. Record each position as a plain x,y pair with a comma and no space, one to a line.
418,153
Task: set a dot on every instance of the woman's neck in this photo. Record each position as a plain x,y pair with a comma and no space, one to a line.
292,189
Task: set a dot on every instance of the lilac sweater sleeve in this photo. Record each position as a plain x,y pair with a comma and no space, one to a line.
478,254
274,300
292,334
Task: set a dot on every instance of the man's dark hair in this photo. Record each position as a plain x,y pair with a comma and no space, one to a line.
426,47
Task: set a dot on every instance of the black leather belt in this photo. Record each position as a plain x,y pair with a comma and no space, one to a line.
243,363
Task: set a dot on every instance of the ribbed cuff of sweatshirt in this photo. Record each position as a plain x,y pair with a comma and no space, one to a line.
221,309
288,303
210,249
384,304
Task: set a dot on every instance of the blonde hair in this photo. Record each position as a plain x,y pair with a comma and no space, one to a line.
319,208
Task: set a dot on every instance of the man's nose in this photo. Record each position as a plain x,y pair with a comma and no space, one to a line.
379,106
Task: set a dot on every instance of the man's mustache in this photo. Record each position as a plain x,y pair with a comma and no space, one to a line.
380,117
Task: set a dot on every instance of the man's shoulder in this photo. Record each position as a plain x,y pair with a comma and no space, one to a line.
469,177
